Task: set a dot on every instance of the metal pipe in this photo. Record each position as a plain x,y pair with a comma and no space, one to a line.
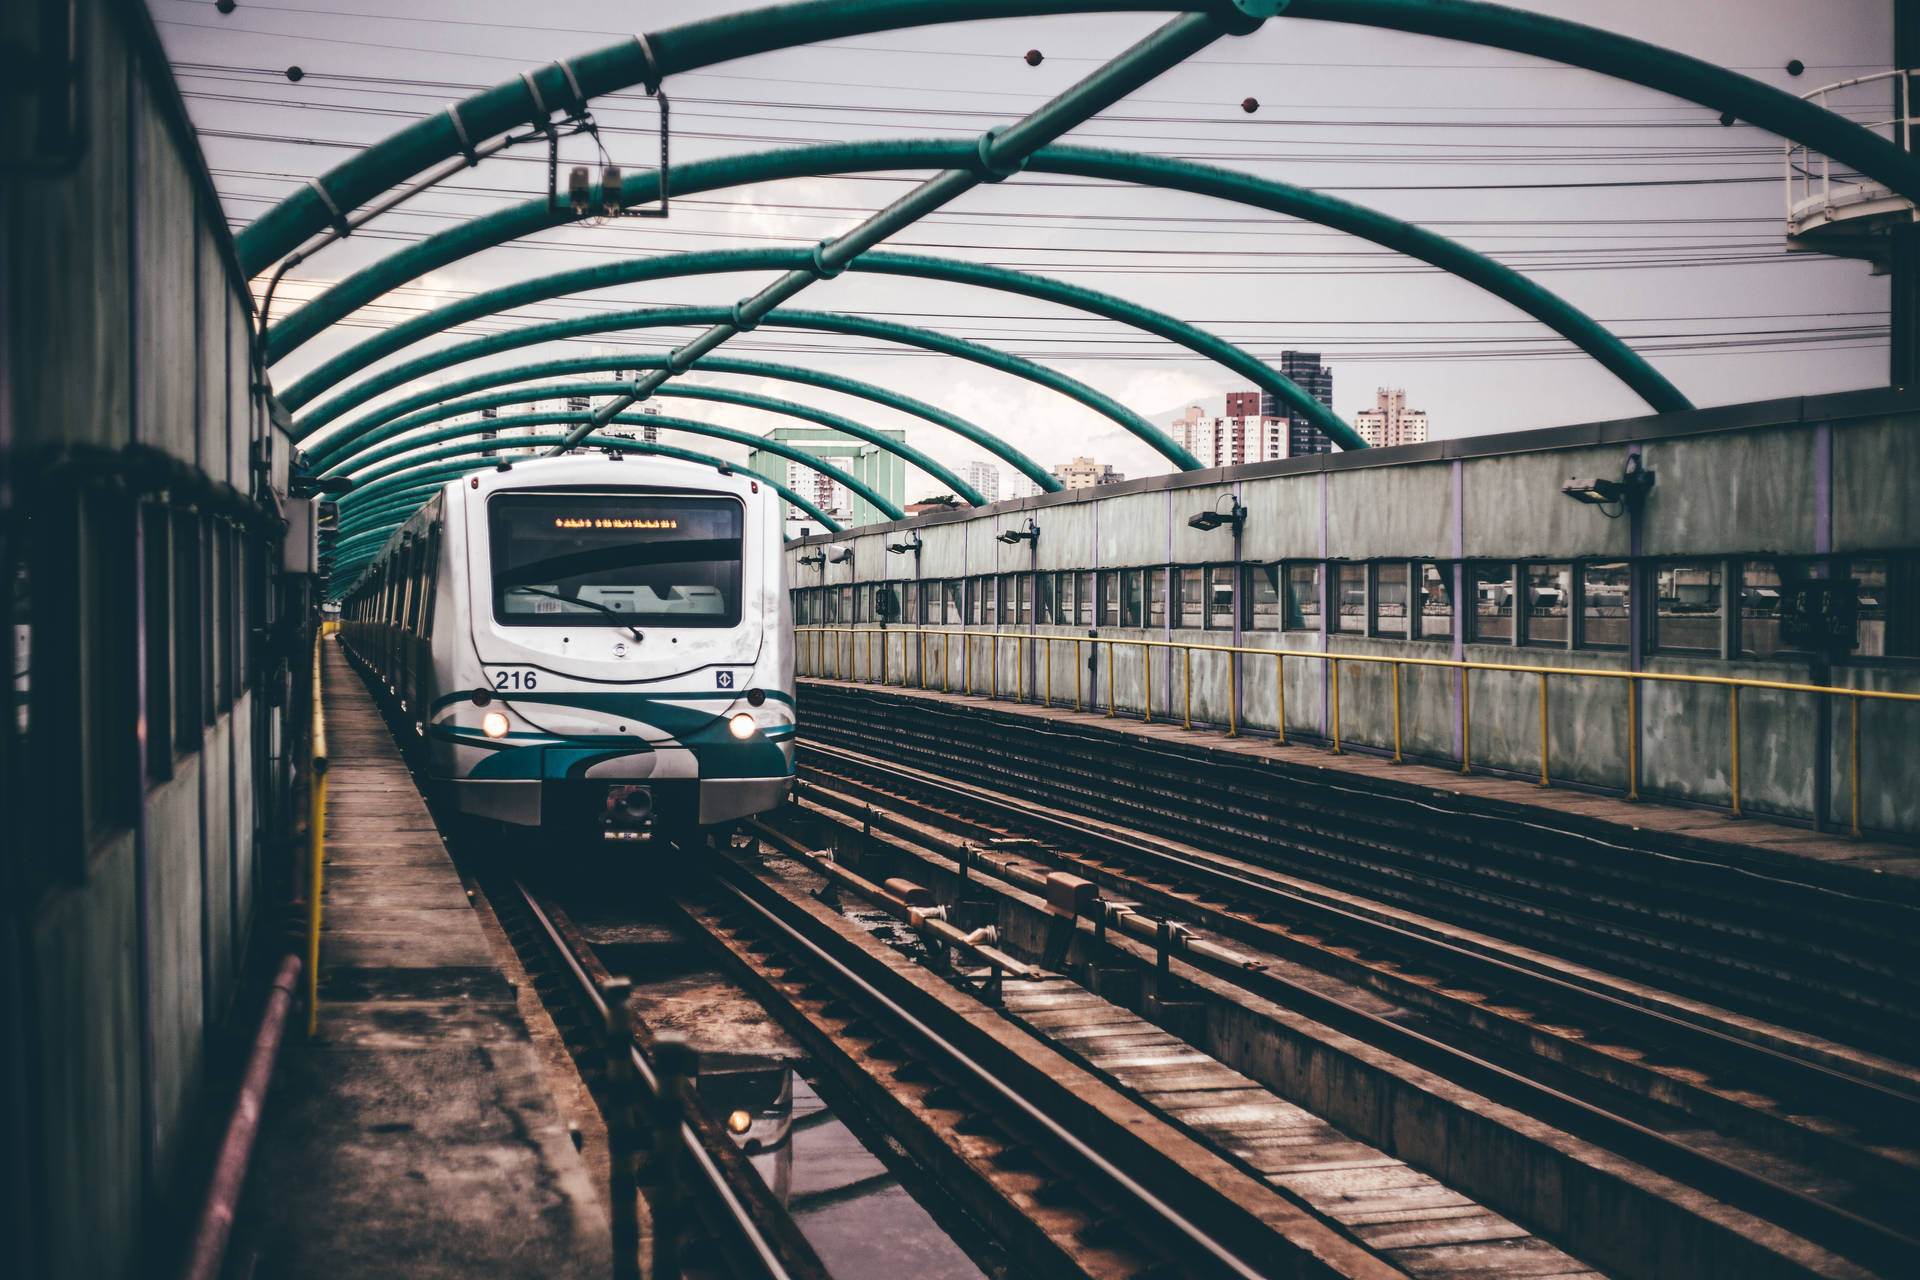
207,1255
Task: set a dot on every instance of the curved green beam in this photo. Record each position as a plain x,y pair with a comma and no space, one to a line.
372,478
1117,166
715,262
393,439
324,449
510,105
880,330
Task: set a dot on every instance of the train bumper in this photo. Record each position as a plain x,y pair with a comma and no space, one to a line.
525,803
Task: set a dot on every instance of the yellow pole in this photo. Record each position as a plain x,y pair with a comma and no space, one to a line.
1113,706
1633,738
1396,715
946,662
1019,668
1280,696
1543,730
1076,673
1049,670
1466,720
1855,771
993,665
1733,703
317,845
923,660
1188,655
1333,674
966,661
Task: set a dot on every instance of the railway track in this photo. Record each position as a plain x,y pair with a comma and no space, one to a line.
1789,952
1767,1121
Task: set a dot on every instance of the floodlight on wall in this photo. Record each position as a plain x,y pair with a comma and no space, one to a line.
818,557
901,548
841,556
307,486
1628,492
579,197
1215,519
1013,536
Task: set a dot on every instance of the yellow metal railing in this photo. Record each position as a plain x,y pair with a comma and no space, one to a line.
316,841
849,652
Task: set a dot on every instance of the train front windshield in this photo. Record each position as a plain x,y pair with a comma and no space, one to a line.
587,559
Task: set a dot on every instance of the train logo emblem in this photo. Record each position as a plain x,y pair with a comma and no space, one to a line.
723,679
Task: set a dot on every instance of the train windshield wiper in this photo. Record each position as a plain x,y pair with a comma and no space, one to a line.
609,610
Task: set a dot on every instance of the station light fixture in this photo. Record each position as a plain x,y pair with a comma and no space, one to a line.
1204,520
841,556
307,486
818,557
1628,492
901,548
578,192
1031,533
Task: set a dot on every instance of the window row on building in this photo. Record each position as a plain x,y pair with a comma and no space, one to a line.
1729,607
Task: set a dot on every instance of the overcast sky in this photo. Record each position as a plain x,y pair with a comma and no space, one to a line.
1640,209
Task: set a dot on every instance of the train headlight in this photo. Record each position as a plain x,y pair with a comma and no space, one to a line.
740,1121
741,725
494,725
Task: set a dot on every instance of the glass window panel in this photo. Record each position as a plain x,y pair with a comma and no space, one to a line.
1260,592
159,630
1870,587
1549,603
1220,598
1436,601
989,601
1110,598
1390,598
1044,586
1760,592
1083,601
187,635
955,614
1604,589
1188,589
1492,587
886,602
1302,603
1130,602
1350,595
1153,586
1686,603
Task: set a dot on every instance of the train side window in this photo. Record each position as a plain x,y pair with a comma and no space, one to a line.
1687,606
1549,610
432,576
1490,588
1300,608
107,710
1433,607
1605,587
221,613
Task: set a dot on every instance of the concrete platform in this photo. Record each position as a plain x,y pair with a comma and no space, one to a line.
1875,868
416,1136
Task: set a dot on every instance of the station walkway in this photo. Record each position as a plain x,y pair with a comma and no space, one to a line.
415,1135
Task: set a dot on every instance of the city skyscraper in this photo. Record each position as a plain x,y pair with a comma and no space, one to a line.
985,479
1316,380
1390,422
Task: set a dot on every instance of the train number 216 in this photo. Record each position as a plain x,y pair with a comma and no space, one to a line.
515,680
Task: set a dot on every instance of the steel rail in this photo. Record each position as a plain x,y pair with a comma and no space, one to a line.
716,1182
1822,1222
1866,1097
1008,1096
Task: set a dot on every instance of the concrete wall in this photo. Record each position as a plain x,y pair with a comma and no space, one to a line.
128,333
1814,478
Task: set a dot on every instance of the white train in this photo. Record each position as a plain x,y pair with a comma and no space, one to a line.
590,642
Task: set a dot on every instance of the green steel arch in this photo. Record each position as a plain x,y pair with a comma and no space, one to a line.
326,449
393,439
882,330
451,133
498,228
394,471
722,261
